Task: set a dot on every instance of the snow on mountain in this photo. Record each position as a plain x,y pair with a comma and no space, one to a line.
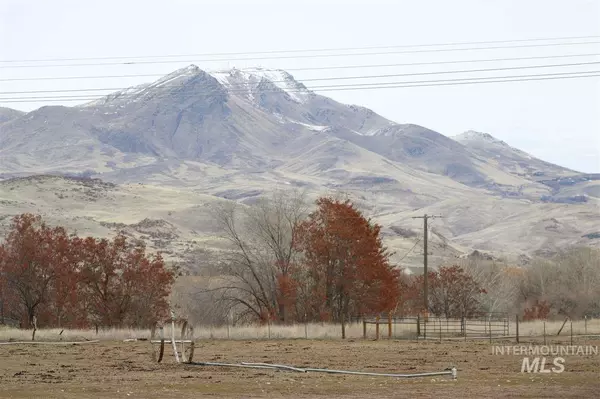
167,86
473,136
238,134
255,117
247,81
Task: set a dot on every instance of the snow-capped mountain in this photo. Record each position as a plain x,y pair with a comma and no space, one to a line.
238,134
253,118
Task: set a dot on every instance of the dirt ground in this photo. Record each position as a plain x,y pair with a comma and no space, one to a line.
126,370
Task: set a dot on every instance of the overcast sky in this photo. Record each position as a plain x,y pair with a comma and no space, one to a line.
556,120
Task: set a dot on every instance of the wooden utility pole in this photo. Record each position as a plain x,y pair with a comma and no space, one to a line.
425,286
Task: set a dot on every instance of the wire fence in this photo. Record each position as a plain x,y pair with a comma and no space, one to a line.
509,328
493,324
492,327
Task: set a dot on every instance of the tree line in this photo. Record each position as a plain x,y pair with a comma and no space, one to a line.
287,264
287,261
66,281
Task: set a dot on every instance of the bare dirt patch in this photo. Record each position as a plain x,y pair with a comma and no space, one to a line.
125,370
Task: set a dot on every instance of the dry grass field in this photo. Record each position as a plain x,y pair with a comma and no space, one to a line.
310,331
117,369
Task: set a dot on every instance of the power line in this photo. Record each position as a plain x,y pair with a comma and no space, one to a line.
410,250
363,85
341,77
328,88
316,68
301,51
303,56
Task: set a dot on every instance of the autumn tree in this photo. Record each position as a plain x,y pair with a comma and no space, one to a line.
67,281
539,310
32,258
63,304
122,285
257,270
347,268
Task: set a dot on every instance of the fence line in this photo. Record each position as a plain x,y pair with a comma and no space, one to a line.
420,327
356,329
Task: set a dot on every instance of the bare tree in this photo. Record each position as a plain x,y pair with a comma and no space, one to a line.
262,252
569,283
193,297
501,286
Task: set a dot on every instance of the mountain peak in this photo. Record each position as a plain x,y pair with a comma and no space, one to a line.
172,81
472,136
252,78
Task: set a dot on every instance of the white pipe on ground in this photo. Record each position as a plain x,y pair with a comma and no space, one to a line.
452,372
49,342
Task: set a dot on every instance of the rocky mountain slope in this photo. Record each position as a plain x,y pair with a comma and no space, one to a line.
7,114
167,149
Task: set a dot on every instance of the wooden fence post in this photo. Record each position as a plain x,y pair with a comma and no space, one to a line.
571,332
585,324
517,327
364,329
561,327
544,332
377,328
490,325
418,326
390,325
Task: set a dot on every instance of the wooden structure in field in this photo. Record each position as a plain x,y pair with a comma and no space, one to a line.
183,348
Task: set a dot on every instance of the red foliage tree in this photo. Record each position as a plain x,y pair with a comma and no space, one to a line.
347,267
287,292
122,284
539,310
32,259
63,304
66,281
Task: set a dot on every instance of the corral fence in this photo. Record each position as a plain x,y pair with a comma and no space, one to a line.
491,326
429,327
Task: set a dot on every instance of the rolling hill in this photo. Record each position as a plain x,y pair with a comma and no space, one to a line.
152,158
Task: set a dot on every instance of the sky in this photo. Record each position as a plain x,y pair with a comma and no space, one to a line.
556,120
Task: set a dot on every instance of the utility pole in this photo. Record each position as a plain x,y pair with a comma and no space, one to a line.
425,286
